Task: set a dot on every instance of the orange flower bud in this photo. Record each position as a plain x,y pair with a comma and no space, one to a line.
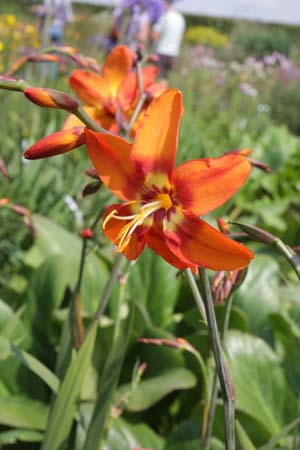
44,58
4,201
67,49
223,226
50,98
56,144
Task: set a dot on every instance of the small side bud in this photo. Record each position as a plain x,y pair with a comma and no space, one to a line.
56,144
50,98
86,233
92,173
260,165
91,188
223,226
45,57
256,233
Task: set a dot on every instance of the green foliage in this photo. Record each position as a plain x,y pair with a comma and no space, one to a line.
285,105
259,41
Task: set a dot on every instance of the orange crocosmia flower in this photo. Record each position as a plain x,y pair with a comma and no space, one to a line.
162,204
113,94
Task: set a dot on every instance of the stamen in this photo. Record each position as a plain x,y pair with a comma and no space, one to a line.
136,220
108,217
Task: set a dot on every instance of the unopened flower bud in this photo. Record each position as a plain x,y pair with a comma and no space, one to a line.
91,188
45,57
86,233
92,173
56,143
260,165
50,98
256,233
67,49
223,226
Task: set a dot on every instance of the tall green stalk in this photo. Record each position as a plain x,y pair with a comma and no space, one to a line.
227,389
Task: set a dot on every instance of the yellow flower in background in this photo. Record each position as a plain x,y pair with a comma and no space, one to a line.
1,46
206,36
30,29
10,20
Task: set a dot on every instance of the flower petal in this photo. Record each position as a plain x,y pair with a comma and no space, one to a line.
156,240
204,184
90,87
116,67
111,158
56,143
196,241
113,228
154,149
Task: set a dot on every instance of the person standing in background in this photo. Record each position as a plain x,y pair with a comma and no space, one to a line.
132,23
61,13
168,34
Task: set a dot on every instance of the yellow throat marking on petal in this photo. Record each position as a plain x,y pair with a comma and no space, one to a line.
163,201
159,180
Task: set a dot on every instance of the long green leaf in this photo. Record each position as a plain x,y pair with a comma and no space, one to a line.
111,372
22,412
64,408
150,391
243,437
14,436
33,364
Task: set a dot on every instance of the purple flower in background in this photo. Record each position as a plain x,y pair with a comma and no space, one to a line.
155,8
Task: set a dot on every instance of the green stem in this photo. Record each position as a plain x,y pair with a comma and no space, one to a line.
88,121
13,85
196,294
215,387
75,312
140,77
227,389
122,286
289,254
260,235
136,112
107,291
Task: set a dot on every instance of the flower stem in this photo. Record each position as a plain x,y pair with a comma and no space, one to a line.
11,84
196,294
107,290
88,121
227,389
136,112
214,390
